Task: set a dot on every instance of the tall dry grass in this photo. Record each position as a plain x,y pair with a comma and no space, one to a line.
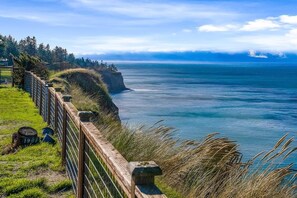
212,167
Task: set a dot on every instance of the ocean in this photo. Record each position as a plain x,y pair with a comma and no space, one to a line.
254,104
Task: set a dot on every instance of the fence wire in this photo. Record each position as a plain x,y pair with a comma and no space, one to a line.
98,179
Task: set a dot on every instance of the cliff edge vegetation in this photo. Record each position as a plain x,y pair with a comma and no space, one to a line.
88,90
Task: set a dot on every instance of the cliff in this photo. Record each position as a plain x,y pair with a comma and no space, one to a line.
91,85
113,80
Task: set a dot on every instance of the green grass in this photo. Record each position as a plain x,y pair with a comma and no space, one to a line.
33,171
61,186
30,193
6,74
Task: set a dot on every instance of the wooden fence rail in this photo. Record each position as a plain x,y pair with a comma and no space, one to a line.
95,167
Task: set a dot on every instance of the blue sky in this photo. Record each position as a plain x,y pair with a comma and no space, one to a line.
95,26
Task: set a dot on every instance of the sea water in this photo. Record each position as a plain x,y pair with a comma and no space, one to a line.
254,104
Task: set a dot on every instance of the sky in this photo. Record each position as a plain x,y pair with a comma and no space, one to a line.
107,26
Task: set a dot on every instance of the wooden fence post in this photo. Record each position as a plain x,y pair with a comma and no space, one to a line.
84,116
32,84
36,91
33,87
56,110
49,85
66,98
40,97
143,173
12,75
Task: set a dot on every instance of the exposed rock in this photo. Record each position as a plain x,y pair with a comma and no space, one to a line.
113,80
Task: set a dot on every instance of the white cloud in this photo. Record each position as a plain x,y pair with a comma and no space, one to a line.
252,53
292,36
269,23
250,26
288,19
218,28
264,42
260,24
101,44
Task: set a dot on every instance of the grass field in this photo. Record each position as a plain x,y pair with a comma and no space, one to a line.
6,74
33,171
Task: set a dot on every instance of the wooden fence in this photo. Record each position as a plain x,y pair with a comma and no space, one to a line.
95,167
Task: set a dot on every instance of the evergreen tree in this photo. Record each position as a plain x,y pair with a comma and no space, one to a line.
48,54
59,54
58,58
29,46
71,58
2,46
11,49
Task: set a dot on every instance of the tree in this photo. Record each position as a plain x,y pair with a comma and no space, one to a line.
11,49
48,54
29,46
2,47
71,58
44,53
59,54
26,62
58,58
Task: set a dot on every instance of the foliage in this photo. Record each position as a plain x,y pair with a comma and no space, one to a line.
57,58
84,82
28,45
2,46
32,171
26,62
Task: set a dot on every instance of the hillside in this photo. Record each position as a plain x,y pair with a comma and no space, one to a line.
87,84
